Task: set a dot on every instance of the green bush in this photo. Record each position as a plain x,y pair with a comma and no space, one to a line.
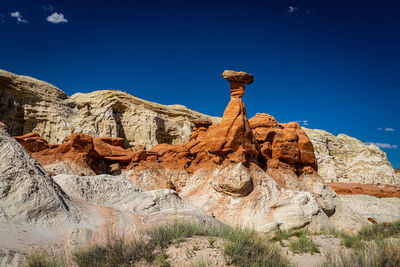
303,244
42,259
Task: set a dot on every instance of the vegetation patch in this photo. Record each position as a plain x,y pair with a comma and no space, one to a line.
303,244
43,259
242,247
375,253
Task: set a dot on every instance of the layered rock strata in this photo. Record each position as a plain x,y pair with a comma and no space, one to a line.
227,170
366,189
29,105
345,159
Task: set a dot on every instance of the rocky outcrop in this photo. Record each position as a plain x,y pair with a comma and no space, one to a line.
380,209
345,159
37,212
283,145
28,193
80,154
29,105
226,170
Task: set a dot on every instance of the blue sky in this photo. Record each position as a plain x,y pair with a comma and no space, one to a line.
333,65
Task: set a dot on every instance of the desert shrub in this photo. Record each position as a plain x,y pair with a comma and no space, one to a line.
42,259
202,263
303,244
286,234
380,231
375,253
245,247
371,232
329,231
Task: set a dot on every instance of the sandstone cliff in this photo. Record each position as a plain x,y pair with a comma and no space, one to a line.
346,159
29,105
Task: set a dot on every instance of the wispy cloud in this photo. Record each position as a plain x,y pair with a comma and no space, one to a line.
292,9
383,145
386,129
48,8
305,122
18,16
57,18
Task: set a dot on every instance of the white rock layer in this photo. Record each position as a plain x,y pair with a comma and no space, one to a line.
346,159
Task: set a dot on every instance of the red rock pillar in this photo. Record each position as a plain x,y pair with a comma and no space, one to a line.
233,137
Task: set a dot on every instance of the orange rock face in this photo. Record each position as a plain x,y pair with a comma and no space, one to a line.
83,154
230,141
260,140
366,189
32,142
283,145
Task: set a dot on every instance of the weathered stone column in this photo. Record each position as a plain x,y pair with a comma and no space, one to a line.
233,137
237,81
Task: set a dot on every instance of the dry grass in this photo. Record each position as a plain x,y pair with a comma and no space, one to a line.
242,247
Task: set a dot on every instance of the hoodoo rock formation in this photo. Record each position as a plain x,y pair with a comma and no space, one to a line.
261,141
258,173
230,141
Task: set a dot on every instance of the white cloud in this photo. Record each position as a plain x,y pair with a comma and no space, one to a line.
304,122
292,9
18,16
386,129
57,18
383,145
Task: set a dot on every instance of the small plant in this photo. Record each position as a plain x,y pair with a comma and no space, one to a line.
286,234
162,260
351,241
303,244
211,241
203,263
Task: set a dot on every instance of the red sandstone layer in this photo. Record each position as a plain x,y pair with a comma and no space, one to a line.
366,189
